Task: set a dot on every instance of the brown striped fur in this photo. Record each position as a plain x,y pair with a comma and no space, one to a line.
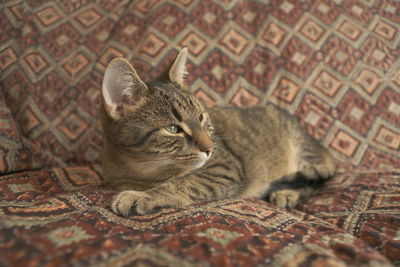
217,153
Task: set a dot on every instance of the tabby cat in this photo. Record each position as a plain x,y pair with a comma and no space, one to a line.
162,148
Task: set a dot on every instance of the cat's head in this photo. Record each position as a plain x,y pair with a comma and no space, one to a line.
160,122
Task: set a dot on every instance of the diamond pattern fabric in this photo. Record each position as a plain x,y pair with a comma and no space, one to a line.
333,64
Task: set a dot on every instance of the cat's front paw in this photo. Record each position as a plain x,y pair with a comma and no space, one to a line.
285,198
131,202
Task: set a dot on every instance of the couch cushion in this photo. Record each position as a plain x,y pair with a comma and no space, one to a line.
16,152
332,64
54,216
364,203
48,75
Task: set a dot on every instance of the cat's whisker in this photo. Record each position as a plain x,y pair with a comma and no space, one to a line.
222,138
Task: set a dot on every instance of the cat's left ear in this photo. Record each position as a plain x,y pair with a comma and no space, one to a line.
122,87
177,72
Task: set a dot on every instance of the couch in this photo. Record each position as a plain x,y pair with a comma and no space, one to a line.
333,64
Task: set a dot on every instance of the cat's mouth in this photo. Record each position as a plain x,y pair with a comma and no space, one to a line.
194,161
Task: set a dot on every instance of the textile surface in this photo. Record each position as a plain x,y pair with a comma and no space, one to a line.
59,215
333,64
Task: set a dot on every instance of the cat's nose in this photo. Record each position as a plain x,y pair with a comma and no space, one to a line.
203,142
207,150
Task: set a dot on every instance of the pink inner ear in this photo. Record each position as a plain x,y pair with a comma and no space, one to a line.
178,72
116,82
110,90
121,85
116,93
115,96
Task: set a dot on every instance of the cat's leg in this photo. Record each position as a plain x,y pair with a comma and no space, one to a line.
313,166
314,160
289,198
221,180
288,191
175,193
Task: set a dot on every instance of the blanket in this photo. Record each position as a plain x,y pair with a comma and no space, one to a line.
333,64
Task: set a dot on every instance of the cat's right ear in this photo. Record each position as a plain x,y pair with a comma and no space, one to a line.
122,87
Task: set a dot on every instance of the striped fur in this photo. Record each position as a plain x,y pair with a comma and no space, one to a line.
217,153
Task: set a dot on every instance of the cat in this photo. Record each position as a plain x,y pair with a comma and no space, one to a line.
164,149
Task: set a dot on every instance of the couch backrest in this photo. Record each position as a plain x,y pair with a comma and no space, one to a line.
334,64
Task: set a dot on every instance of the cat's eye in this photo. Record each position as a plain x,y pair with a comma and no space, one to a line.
174,129
201,117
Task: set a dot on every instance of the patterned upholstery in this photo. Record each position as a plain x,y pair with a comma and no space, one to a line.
334,64
364,204
59,215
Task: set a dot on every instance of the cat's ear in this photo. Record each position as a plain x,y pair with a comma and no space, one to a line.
177,72
121,87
